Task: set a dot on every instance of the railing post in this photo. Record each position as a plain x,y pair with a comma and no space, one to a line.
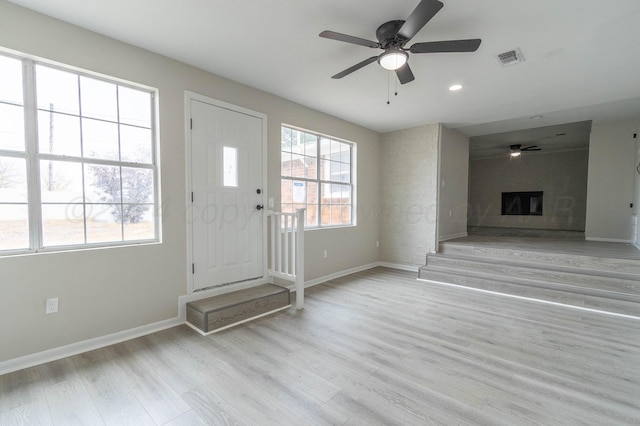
300,259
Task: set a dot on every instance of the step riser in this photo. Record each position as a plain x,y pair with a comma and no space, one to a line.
536,273
545,258
220,312
550,295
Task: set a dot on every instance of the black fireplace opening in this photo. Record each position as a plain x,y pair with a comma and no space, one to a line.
522,203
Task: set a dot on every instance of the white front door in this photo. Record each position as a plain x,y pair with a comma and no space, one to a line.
226,180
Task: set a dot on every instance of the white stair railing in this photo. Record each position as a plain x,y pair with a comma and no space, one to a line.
287,249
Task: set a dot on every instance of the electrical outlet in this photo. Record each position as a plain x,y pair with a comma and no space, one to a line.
377,243
52,306
325,254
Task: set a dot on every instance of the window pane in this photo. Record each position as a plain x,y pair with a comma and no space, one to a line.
325,216
285,140
13,180
137,187
62,224
134,107
285,164
57,90
230,166
325,147
104,223
58,133
100,139
144,227
311,146
325,169
312,215
135,144
61,182
11,81
310,167
286,191
312,193
98,99
11,127
14,226
297,165
103,184
345,215
345,173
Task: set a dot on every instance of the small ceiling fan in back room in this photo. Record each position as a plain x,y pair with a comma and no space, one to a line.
394,35
517,149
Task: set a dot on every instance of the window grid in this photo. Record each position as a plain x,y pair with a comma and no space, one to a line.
128,206
316,174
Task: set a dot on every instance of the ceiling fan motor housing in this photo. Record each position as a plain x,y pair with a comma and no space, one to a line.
387,34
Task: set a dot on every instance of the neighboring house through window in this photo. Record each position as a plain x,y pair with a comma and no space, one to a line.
78,161
317,174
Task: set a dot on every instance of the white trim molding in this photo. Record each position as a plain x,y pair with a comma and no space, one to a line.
85,346
608,240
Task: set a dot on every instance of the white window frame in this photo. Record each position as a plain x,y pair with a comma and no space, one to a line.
33,158
319,180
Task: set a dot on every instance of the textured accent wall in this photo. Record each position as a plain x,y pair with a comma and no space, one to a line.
453,195
409,191
562,176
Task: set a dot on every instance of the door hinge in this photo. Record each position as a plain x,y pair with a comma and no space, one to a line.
192,197
191,123
193,268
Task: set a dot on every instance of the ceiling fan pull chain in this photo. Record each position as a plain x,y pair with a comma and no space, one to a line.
388,88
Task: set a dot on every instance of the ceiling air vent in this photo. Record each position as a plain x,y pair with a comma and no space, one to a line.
511,57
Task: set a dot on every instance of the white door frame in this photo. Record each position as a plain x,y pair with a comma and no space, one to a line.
188,97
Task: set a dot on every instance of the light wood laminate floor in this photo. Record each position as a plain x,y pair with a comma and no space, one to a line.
373,348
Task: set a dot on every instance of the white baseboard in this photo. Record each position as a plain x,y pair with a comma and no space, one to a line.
335,275
608,240
452,236
329,277
121,336
84,346
400,266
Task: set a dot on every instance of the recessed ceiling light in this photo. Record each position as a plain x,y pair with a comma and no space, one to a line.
455,87
536,117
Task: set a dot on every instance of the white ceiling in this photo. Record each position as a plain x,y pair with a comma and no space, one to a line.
582,56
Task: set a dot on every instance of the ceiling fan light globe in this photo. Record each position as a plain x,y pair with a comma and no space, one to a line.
515,153
393,59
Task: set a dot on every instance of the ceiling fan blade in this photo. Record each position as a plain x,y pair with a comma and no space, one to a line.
404,74
531,148
348,39
356,67
422,14
470,45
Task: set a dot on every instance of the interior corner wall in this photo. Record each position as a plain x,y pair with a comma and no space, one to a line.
562,176
409,195
636,202
107,291
611,182
454,185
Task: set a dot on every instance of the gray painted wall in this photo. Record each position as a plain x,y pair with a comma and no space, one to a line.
409,194
110,290
562,176
611,181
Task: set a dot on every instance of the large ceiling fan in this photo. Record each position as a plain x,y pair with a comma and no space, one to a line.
394,35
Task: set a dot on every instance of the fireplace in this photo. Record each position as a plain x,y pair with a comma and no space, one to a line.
522,203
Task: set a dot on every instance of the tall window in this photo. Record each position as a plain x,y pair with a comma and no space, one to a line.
77,159
317,174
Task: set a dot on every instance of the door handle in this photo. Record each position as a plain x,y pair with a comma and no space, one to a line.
259,207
